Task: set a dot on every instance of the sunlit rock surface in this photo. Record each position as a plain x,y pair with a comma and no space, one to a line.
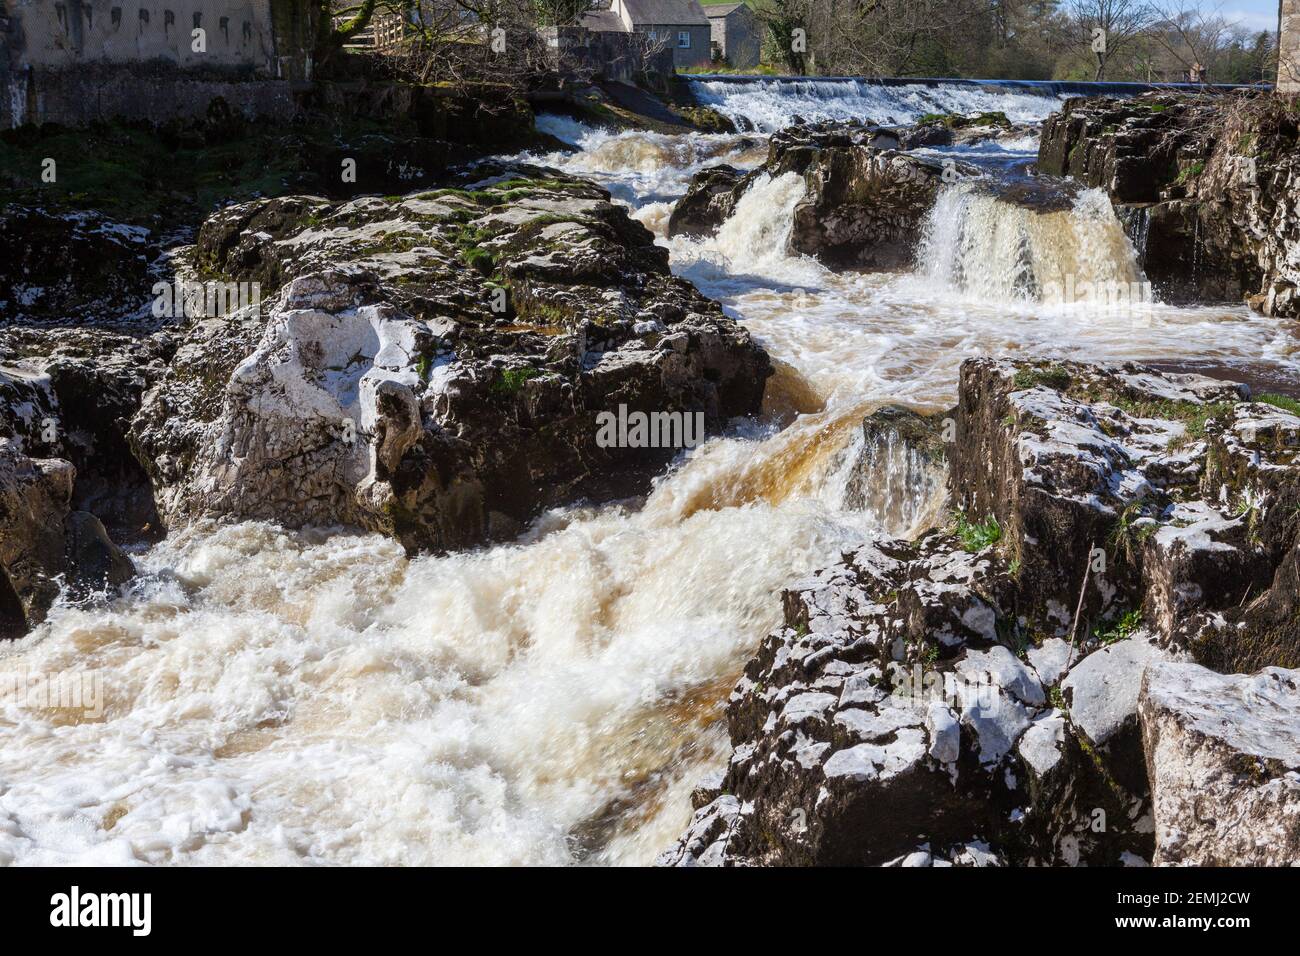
1223,756
433,367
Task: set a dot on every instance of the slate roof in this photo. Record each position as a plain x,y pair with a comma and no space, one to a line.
606,21
667,12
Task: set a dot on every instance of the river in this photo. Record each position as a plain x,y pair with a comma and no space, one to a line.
277,697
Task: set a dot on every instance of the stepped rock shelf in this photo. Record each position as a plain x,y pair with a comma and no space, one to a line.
1208,187
1100,736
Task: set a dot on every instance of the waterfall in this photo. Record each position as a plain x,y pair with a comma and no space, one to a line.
759,228
1137,226
899,483
989,249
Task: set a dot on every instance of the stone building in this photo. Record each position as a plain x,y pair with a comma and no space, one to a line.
679,25
736,33
76,61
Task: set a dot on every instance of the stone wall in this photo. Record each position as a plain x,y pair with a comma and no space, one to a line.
77,61
1288,78
64,33
738,37
620,57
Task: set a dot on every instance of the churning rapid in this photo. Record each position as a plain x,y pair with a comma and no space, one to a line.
295,697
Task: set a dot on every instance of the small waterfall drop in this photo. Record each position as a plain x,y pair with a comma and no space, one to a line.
759,228
990,249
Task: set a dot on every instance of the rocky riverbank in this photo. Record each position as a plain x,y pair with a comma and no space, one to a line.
1208,186
1015,687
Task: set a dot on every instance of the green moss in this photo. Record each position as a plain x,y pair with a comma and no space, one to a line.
1190,173
1126,536
958,121
513,379
1121,630
1053,376
1195,416
479,259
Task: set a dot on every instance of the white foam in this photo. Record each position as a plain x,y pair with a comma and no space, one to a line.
770,104
297,698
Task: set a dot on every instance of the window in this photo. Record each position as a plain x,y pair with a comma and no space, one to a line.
653,36
684,39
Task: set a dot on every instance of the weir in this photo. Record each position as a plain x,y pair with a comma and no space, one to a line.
768,103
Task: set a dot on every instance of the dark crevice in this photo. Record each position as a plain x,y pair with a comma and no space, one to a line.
13,622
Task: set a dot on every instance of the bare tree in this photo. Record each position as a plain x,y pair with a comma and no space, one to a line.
1192,36
787,26
1107,27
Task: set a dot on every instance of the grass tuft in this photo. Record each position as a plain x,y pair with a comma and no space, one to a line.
978,535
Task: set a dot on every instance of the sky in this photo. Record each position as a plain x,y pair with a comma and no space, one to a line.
1252,14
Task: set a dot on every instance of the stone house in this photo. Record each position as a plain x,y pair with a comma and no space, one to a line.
677,24
736,33
77,61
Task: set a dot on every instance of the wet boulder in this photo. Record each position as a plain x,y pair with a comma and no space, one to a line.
956,129
709,201
864,208
92,382
34,496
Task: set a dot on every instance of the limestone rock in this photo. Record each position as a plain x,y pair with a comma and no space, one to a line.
1223,758
434,367
72,267
34,497
1206,184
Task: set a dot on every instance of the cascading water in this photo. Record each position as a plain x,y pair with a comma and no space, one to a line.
979,245
770,104
285,698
